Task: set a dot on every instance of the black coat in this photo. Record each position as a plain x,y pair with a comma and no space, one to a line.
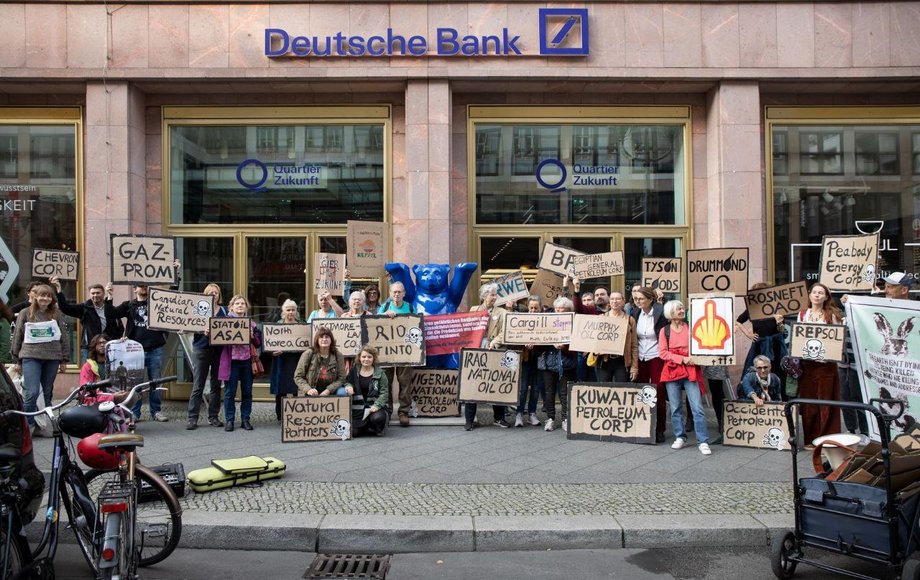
89,318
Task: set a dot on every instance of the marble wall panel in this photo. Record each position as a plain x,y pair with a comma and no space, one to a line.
795,35
834,35
168,36
208,35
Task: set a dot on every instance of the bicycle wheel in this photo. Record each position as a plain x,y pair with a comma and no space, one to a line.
13,564
81,514
158,521
116,525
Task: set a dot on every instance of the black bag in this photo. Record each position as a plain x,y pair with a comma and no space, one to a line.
174,476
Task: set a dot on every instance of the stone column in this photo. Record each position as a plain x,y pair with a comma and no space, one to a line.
735,200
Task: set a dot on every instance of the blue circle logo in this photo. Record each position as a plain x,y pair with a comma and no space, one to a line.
258,184
562,175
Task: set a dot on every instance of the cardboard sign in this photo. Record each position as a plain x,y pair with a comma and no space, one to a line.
599,334
346,331
818,342
329,273
558,259
286,337
367,247
612,412
229,331
50,263
848,262
784,299
315,419
511,288
174,311
747,425
718,270
598,265
547,286
490,376
435,393
448,333
663,274
538,328
148,260
712,337
399,340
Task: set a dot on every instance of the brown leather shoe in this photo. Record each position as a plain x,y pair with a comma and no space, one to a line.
404,420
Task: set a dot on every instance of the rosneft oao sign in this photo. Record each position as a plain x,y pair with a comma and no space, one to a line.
563,32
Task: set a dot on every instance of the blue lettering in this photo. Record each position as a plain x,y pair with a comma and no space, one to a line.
418,46
510,45
495,42
447,41
393,40
271,32
300,46
356,46
379,41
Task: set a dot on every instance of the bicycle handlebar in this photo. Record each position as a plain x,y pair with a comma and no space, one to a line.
75,392
130,396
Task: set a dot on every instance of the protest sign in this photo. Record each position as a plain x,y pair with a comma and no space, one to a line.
126,363
346,331
747,425
848,262
538,328
887,348
558,259
147,260
366,244
547,286
399,340
286,337
599,334
784,299
712,340
598,265
229,331
176,311
511,288
612,412
662,274
448,333
435,393
490,376
718,270
818,342
329,273
50,263
315,419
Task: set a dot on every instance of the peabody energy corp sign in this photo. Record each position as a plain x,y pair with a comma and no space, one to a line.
563,32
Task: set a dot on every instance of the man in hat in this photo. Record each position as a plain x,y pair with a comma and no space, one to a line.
897,285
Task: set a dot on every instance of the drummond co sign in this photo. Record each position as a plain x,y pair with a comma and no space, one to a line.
563,32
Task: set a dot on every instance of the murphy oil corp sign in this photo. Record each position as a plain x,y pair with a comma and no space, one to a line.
563,32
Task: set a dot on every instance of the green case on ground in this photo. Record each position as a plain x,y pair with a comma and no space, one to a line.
225,473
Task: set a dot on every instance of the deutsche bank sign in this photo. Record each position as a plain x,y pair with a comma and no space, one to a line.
563,32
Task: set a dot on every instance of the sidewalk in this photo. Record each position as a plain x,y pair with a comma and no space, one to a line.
440,488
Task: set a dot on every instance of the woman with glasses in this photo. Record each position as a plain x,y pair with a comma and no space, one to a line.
759,384
650,319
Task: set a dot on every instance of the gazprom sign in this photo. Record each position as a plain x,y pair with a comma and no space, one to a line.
563,32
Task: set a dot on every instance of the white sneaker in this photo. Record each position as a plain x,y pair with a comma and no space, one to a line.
533,419
704,449
549,425
161,418
679,443
519,420
565,424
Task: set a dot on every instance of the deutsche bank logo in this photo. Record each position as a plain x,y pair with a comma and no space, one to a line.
564,31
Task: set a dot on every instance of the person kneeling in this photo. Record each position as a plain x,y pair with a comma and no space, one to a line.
759,384
370,411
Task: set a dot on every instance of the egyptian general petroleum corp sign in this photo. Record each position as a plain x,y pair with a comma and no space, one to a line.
562,32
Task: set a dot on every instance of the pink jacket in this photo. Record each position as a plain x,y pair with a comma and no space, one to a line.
237,352
672,351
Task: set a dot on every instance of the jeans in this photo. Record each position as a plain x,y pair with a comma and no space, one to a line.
695,400
528,383
612,371
469,412
584,373
153,362
38,378
240,372
207,362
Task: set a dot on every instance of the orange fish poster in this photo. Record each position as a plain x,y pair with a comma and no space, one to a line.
712,340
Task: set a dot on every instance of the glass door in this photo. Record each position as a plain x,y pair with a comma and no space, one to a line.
592,245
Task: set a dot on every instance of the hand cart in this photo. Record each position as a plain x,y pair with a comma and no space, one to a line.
861,521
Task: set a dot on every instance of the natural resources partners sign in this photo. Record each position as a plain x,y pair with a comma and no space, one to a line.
563,32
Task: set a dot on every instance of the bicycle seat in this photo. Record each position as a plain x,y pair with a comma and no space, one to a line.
121,441
9,454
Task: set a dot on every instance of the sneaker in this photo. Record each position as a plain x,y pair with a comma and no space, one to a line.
549,425
565,424
679,443
215,422
503,423
160,417
704,449
192,424
519,420
533,419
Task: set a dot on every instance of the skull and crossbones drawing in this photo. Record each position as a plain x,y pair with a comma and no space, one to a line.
342,429
774,438
414,336
648,396
869,273
509,361
813,349
203,308
413,409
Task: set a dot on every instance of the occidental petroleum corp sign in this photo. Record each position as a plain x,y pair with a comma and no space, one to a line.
563,32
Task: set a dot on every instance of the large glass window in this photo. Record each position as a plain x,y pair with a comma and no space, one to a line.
847,178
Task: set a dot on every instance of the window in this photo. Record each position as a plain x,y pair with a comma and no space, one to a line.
876,153
820,152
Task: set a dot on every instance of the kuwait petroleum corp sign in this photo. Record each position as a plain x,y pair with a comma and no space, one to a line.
563,32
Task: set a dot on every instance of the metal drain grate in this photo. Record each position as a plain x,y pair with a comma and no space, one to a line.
372,566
